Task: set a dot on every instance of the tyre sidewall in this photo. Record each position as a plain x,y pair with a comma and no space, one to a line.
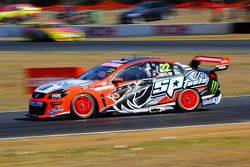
73,112
181,108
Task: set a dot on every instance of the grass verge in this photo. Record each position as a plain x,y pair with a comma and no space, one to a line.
213,146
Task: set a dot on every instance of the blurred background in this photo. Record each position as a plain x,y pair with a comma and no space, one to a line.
115,11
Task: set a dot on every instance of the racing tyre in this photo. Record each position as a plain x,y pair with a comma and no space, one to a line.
188,100
83,106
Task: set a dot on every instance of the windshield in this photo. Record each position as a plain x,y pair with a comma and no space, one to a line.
97,73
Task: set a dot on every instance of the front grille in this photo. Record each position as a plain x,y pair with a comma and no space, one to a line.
37,95
35,110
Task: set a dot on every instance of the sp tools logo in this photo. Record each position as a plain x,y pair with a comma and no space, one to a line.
214,87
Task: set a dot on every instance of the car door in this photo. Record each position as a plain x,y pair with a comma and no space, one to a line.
131,94
168,80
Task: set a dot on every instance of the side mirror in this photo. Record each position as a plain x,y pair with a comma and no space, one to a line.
117,80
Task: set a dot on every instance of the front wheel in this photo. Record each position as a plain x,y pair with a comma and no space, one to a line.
83,106
188,100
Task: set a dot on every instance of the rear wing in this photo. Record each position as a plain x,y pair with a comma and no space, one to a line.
222,63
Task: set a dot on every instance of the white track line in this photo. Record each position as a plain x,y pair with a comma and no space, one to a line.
123,131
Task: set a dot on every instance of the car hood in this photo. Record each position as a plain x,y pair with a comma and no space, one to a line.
59,85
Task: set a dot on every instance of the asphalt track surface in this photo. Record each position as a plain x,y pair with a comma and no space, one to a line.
230,110
130,46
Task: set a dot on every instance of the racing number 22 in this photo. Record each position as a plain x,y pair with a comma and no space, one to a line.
164,67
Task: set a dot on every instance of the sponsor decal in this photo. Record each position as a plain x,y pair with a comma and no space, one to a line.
110,64
100,31
195,78
209,101
221,67
168,86
131,96
53,104
56,96
161,75
35,103
214,87
55,110
171,29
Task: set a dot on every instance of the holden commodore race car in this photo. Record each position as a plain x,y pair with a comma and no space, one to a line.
19,12
52,32
131,85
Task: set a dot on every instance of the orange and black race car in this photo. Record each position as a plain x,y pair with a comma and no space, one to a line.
131,85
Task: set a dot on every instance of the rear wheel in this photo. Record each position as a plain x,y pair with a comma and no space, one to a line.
83,106
188,100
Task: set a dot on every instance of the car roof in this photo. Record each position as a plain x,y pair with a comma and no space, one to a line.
137,59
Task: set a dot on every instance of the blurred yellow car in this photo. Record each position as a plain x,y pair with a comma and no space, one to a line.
52,32
19,12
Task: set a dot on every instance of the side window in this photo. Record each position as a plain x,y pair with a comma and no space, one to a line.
134,72
177,70
162,69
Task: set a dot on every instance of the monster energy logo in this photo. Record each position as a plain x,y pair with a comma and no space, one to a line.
214,87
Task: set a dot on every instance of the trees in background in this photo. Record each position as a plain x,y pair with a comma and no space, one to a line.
94,2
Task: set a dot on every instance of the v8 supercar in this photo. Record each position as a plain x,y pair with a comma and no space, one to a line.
131,85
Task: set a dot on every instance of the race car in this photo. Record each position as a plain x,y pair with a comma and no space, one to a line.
52,32
19,12
131,85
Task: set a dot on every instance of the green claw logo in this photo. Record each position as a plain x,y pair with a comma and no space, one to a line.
214,87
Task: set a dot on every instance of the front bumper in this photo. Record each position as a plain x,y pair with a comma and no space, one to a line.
45,108
63,115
